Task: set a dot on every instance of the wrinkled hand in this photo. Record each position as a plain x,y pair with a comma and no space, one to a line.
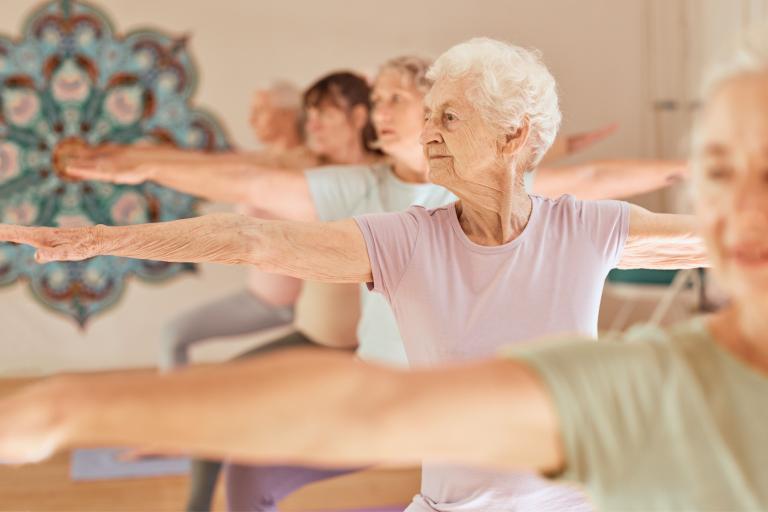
56,244
110,162
33,424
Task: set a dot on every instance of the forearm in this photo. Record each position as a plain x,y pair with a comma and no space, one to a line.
662,241
609,179
214,238
616,179
316,407
211,179
280,192
305,407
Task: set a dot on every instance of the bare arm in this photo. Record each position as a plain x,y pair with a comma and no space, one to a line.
662,241
567,145
268,181
608,179
319,251
298,407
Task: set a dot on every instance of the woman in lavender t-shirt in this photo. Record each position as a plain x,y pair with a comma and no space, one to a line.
499,265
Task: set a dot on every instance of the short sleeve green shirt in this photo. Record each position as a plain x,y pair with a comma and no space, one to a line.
662,420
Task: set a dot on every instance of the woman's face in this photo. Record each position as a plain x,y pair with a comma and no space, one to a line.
462,149
397,113
331,130
731,182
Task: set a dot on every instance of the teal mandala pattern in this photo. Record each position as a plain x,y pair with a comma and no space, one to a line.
68,80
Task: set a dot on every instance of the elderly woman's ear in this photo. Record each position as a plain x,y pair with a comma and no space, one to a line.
515,140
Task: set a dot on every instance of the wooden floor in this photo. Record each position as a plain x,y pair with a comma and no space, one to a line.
47,487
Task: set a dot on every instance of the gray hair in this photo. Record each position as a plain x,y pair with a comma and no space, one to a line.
510,84
749,56
284,95
413,69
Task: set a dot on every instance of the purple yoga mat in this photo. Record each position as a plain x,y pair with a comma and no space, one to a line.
105,464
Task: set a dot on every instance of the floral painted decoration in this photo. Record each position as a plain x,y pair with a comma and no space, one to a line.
71,80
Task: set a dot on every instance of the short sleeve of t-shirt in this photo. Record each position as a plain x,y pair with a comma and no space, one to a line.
607,222
607,398
390,239
339,190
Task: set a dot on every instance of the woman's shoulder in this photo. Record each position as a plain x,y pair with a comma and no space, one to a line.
642,344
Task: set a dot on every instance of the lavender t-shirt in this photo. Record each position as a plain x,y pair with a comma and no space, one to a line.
455,300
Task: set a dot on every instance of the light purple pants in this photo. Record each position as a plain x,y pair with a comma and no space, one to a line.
260,488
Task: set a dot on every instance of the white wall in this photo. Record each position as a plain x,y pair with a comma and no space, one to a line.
598,50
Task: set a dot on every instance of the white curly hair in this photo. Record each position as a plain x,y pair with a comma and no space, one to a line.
509,84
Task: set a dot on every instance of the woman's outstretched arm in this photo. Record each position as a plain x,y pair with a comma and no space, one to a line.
271,182
306,406
318,251
609,179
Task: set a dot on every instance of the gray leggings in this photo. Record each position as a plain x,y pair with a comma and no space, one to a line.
252,488
233,315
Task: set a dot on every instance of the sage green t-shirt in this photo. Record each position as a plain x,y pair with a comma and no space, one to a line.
663,420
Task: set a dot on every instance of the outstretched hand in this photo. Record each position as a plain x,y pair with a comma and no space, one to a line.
110,162
567,145
55,244
581,141
32,424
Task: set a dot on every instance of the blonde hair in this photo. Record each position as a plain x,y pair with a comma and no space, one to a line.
413,69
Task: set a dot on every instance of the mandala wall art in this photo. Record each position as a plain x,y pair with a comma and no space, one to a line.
70,79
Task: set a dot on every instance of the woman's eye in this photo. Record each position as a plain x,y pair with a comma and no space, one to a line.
450,117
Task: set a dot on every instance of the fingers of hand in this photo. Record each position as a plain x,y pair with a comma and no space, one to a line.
53,244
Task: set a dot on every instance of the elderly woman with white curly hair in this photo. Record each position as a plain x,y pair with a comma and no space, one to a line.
499,266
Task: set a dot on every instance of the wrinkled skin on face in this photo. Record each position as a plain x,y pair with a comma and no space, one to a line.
731,182
397,113
467,154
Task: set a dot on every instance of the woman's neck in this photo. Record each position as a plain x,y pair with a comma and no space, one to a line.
741,328
495,214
